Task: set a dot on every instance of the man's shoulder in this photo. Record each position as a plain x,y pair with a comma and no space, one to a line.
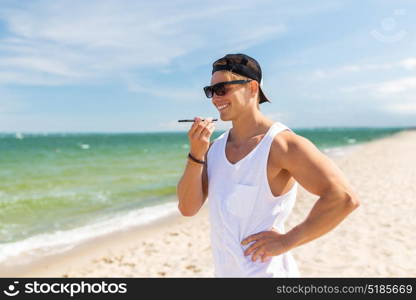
284,143
282,140
288,145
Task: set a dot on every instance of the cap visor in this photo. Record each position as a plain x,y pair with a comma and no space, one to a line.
263,97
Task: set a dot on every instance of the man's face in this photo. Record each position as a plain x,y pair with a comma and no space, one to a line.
234,102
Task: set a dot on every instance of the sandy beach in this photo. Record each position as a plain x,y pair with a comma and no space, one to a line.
376,240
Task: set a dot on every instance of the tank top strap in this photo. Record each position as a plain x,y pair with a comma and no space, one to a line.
278,128
264,150
275,129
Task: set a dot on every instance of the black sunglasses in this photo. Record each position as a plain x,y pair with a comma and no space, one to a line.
219,88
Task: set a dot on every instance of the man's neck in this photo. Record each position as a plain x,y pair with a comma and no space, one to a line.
249,126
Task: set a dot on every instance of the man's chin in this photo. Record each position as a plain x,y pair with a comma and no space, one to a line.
224,118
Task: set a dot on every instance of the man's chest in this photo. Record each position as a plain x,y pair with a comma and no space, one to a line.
280,180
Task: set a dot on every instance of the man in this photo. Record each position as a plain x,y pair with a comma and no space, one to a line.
250,175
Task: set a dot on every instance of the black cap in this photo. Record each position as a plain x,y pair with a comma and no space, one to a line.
244,65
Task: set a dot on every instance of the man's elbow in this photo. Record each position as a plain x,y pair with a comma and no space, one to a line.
182,209
186,212
351,200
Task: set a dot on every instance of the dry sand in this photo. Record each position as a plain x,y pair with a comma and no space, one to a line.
377,240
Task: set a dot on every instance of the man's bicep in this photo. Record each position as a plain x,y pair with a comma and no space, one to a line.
311,168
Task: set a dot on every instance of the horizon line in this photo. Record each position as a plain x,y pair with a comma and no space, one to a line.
183,131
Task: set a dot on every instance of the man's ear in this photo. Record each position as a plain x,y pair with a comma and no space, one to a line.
254,86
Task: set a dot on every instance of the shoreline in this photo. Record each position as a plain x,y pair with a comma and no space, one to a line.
56,265
110,250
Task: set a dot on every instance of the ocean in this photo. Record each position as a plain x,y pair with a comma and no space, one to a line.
58,190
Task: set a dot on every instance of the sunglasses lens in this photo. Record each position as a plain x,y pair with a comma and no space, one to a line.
220,90
208,91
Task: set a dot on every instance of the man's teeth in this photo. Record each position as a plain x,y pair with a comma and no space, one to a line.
222,106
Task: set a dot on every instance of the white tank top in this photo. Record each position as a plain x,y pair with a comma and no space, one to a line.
240,204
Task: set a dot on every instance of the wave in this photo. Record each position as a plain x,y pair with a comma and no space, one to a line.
41,245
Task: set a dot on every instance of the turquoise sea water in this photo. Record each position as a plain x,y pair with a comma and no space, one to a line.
53,184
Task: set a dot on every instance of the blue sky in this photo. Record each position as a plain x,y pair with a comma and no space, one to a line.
134,66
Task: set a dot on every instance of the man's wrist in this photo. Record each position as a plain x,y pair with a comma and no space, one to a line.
293,237
198,157
195,163
195,160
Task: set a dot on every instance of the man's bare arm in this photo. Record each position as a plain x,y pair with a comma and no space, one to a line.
320,176
192,187
205,177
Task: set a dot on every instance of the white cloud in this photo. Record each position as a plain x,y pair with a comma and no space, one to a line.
409,63
247,37
65,41
44,65
174,93
404,87
396,86
406,64
402,108
30,78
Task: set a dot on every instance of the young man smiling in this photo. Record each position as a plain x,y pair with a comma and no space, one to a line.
250,175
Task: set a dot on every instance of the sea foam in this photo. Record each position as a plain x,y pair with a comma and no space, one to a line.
41,245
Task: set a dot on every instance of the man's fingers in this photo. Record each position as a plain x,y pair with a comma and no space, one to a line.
200,127
209,129
265,257
253,247
204,129
194,126
259,252
253,237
